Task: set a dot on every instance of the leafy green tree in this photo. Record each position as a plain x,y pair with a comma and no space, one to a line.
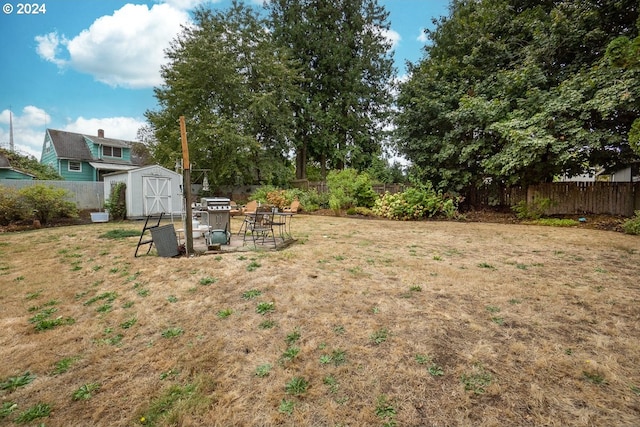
30,164
517,92
235,88
347,69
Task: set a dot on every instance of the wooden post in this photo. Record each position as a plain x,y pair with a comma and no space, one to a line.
186,185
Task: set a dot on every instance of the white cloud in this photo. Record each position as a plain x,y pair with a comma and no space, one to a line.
422,37
187,4
28,130
49,48
125,49
393,37
30,124
114,127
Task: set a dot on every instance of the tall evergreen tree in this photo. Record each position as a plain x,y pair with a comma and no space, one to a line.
235,88
347,67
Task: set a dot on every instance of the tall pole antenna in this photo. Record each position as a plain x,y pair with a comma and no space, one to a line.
11,145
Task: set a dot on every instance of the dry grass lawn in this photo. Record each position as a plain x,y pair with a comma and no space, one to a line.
361,323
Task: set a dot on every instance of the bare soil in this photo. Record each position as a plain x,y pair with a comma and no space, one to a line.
431,323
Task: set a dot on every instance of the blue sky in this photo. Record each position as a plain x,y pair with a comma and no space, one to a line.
84,65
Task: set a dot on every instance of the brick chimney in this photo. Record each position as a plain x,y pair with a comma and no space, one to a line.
100,133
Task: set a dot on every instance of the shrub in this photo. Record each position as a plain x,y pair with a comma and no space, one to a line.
348,188
419,201
11,206
632,225
533,210
47,202
278,198
261,193
117,205
312,200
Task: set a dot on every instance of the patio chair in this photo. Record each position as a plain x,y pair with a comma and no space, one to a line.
293,208
248,210
260,225
235,209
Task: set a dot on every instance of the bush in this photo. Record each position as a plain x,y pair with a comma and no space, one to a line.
348,188
261,193
632,225
117,203
47,202
533,210
311,200
417,202
11,206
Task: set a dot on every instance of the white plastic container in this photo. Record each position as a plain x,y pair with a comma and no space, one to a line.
99,216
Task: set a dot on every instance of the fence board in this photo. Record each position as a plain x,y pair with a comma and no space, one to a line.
85,194
613,198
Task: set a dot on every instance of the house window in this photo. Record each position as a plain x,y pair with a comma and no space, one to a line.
75,166
111,151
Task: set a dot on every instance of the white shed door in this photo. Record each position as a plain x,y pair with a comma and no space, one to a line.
156,191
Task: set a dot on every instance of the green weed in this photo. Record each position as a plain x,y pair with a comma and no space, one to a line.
263,370
265,307
331,382
223,314
108,296
379,336
486,265
206,281
172,299
296,386
386,411
289,354
129,323
33,295
253,266
172,332
85,391
286,407
40,410
7,408
119,234
477,382
175,401
267,324
292,337
251,294
63,365
594,377
12,383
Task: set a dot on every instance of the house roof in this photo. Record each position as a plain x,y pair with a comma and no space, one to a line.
71,145
4,164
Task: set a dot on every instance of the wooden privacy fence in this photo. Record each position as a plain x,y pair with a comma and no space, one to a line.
611,198
614,198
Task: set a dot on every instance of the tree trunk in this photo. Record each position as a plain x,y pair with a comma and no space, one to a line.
301,162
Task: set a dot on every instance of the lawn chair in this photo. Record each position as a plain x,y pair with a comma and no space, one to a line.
249,209
235,209
293,208
260,225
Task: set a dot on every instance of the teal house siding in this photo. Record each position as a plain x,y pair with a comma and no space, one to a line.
7,172
80,157
86,172
14,174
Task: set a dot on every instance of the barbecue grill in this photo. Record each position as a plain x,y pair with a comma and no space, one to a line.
218,217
